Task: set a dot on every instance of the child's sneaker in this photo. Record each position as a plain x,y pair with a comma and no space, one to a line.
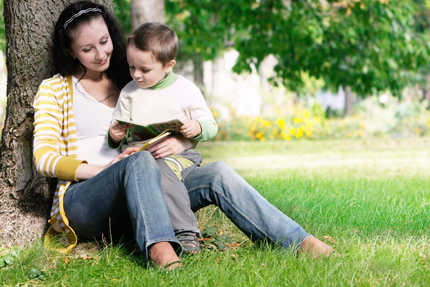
189,241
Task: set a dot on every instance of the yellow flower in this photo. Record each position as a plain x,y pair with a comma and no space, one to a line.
297,120
215,114
259,135
267,123
292,131
262,139
275,131
281,123
308,132
287,137
299,133
306,113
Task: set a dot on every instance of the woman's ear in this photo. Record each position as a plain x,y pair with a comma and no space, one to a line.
71,54
169,66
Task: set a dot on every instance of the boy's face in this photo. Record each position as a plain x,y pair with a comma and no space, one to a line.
145,69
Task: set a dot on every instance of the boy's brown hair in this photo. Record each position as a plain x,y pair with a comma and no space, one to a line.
157,38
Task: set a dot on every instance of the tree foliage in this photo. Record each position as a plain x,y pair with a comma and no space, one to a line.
122,10
369,45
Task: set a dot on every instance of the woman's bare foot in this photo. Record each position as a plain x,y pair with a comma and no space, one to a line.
316,247
163,255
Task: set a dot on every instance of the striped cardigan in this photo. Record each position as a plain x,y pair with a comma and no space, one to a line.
55,151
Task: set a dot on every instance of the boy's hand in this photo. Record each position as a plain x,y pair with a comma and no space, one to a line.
190,128
117,131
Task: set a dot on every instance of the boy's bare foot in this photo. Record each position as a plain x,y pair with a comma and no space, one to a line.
163,255
317,248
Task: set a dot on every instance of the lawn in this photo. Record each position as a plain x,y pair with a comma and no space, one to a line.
368,199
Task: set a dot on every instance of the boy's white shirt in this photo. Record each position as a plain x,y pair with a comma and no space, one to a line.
181,100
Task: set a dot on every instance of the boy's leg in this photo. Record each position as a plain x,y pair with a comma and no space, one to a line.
174,169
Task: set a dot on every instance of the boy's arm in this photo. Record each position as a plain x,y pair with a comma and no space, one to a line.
116,133
112,144
201,113
209,130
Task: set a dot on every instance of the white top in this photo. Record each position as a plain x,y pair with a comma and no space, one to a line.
181,100
92,121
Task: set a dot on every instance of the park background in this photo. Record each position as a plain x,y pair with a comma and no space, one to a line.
323,106
356,78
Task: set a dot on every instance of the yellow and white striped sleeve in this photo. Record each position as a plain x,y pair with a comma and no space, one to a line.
50,129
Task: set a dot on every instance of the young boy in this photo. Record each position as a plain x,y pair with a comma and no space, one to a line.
157,95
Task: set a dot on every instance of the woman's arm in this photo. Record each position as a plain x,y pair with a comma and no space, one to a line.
86,171
52,131
53,137
172,145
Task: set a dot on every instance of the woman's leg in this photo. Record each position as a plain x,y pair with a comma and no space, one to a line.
217,183
127,190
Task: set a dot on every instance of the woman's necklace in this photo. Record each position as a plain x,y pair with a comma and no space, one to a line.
102,100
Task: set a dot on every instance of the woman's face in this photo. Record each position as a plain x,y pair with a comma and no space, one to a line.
92,45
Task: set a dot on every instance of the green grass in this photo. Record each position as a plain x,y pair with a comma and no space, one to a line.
371,197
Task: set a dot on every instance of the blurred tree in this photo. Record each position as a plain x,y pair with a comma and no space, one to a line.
146,11
366,46
203,29
422,26
122,9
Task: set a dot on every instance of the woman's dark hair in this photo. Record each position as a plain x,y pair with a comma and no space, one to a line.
65,64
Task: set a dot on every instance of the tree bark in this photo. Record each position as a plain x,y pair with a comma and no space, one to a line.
198,70
347,111
146,11
25,196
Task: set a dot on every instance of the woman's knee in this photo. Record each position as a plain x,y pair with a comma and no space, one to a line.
220,167
143,159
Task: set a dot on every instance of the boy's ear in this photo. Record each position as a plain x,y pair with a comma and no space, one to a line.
169,66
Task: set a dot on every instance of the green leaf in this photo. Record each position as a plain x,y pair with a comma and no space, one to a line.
209,232
35,274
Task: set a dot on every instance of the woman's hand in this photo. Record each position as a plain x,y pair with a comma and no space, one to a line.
170,146
124,154
87,171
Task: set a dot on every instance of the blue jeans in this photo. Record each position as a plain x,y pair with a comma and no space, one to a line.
126,193
131,188
217,183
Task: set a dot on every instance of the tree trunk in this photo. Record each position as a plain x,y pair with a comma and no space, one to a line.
146,11
347,111
25,196
198,70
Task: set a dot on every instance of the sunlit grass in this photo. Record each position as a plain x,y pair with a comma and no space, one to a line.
370,197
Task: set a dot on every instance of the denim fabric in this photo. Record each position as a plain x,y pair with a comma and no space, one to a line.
217,183
128,191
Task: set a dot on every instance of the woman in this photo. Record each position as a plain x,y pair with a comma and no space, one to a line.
99,190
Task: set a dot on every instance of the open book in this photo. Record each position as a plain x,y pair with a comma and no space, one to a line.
155,129
161,137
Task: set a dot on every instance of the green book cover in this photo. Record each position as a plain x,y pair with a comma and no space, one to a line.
155,128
